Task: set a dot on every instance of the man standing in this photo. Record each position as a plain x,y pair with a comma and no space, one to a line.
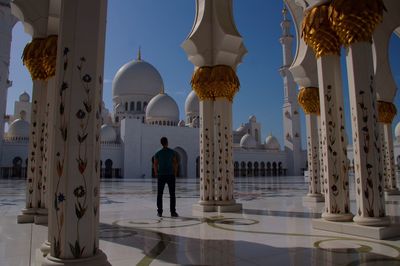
165,169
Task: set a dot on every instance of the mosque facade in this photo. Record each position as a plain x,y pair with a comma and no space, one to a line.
142,113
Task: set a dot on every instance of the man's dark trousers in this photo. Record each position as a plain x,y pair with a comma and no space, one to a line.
170,181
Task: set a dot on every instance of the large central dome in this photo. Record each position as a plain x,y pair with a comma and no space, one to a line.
137,78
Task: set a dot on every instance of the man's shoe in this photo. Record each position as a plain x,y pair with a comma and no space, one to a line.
174,214
159,214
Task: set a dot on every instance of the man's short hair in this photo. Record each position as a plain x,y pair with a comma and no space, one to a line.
164,141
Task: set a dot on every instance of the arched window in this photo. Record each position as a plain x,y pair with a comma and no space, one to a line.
236,169
126,106
167,123
163,122
274,169
17,167
138,106
280,170
117,119
269,169
242,169
262,172
249,169
132,106
108,169
256,173
144,106
198,166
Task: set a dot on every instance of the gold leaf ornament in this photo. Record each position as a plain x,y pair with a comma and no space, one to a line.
211,82
308,98
317,32
39,57
386,112
50,55
355,21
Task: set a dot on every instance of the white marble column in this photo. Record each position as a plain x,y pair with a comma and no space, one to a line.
34,169
74,186
308,98
321,157
215,83
314,186
337,202
366,140
318,34
223,159
392,188
206,155
386,113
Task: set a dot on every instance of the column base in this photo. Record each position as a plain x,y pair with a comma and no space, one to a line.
203,208
314,198
333,217
100,259
217,206
392,192
351,228
27,216
41,216
372,221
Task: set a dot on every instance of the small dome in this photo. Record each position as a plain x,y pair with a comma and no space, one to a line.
248,142
271,143
241,129
18,128
137,78
397,131
108,134
192,104
252,119
162,108
24,97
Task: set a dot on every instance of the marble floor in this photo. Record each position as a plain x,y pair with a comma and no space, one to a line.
274,228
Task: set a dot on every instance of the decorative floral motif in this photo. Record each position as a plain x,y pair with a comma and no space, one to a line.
59,197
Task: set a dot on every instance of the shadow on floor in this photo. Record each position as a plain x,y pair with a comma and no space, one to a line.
183,250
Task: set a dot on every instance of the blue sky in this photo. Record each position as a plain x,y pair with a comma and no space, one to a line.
160,27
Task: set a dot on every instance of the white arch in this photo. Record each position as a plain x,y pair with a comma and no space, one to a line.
183,158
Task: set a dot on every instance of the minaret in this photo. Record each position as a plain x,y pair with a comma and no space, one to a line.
7,22
290,109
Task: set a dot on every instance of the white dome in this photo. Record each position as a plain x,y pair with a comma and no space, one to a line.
271,143
162,108
137,78
18,128
397,131
248,142
24,97
242,129
192,104
108,134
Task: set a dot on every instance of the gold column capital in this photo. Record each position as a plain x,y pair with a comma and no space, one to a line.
211,82
39,57
50,56
386,112
355,21
308,98
317,32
